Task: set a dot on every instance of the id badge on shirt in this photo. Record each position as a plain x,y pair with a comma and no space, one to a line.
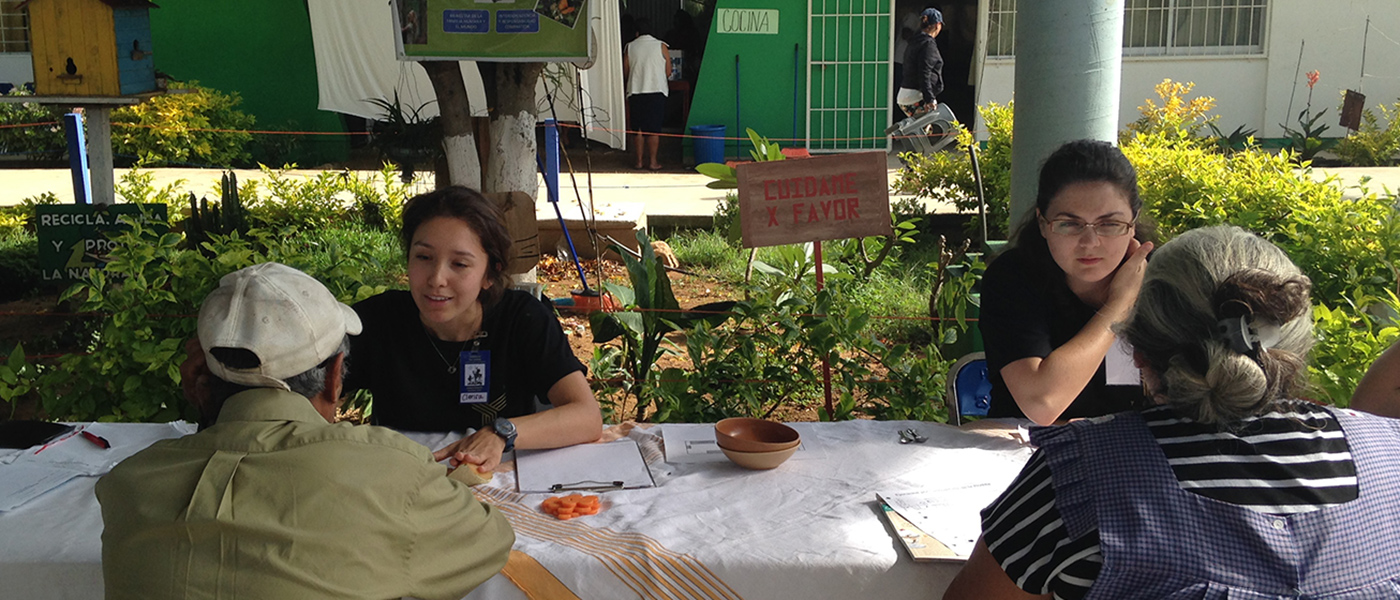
475,385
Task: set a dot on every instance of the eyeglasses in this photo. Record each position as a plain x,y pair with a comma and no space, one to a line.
1071,227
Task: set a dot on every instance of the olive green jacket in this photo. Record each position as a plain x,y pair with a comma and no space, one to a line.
273,502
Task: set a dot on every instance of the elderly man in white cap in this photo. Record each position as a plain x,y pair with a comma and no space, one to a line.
274,500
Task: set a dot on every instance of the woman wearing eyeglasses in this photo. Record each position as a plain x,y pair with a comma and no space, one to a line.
1049,301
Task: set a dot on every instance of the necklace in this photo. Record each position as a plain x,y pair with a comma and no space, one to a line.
451,366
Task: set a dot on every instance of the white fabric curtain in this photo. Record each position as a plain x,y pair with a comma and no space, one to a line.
355,62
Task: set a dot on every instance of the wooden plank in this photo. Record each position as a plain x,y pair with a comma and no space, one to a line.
827,198
104,51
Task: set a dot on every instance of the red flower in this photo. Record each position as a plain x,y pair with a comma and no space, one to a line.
1313,76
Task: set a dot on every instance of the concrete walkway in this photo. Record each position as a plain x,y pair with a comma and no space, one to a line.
664,198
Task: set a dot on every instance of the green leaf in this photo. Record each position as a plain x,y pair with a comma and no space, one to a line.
718,171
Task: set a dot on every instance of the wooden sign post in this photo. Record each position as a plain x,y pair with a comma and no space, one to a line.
810,200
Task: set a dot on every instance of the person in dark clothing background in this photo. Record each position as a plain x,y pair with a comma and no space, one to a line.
923,67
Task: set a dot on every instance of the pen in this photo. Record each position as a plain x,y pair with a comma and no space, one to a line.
97,439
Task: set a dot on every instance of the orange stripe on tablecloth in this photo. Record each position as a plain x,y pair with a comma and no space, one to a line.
535,580
624,554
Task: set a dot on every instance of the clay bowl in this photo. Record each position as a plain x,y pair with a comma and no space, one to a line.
742,434
759,460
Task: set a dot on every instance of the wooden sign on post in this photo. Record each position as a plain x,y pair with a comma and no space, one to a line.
827,198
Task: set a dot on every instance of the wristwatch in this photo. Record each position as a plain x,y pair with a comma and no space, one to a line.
506,430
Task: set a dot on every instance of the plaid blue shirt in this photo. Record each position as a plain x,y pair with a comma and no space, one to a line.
1161,541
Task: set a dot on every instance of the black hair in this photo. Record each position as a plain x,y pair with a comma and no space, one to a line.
643,25
480,214
1078,162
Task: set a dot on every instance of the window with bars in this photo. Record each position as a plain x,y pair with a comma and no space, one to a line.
14,27
1161,27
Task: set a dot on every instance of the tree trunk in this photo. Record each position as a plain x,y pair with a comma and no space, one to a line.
510,92
458,143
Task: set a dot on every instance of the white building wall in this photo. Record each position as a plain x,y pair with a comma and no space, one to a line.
16,68
1255,91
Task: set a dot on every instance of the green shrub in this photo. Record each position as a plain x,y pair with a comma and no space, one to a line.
1373,145
948,176
1177,121
1343,245
201,126
19,264
704,249
1349,339
147,298
43,142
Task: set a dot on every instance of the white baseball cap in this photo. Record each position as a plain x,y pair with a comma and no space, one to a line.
286,318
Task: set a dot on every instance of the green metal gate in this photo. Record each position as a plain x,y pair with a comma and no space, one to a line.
849,43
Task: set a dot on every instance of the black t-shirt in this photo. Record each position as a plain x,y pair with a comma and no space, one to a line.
1028,310
394,358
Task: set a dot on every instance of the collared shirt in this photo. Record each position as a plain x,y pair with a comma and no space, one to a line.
274,502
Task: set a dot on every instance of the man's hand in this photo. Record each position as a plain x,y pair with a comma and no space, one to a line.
482,450
194,376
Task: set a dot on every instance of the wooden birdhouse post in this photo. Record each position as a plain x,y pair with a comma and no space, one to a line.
91,47
96,55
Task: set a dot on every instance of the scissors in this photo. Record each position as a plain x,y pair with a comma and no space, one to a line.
909,435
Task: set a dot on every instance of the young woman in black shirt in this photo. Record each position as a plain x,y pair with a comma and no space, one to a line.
1048,302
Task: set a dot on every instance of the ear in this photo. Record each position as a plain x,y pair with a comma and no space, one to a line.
328,400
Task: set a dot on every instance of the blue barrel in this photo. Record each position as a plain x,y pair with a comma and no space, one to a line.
709,143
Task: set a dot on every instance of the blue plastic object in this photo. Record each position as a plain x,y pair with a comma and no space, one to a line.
709,143
974,389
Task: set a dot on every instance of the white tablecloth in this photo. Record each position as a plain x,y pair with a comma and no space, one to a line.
808,529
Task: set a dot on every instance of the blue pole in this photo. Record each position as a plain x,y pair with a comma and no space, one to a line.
551,158
550,168
78,158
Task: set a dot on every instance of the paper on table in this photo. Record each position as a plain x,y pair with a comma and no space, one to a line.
951,516
1119,368
21,482
585,466
89,459
695,443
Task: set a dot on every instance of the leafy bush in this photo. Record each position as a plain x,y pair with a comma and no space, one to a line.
1343,245
19,264
1349,339
200,126
1373,145
704,249
948,176
147,298
1177,121
43,142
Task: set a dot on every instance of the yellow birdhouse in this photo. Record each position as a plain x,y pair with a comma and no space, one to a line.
91,47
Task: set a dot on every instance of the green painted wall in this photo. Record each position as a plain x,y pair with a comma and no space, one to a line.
765,77
258,48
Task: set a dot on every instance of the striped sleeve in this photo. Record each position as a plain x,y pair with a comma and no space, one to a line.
1024,532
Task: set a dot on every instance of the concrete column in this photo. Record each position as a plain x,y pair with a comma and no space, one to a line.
1069,57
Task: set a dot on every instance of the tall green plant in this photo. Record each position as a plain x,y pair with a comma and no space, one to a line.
1374,144
948,177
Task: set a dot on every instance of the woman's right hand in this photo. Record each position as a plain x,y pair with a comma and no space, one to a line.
1127,280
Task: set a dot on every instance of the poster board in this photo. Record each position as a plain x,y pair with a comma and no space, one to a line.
813,199
74,238
494,30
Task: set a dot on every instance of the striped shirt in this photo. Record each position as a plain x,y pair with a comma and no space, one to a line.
1293,459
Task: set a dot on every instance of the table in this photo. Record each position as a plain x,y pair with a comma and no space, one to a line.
808,529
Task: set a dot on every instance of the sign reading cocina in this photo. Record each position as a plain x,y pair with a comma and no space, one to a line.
827,198
747,20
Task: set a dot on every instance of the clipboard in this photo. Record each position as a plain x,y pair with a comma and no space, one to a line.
616,465
920,546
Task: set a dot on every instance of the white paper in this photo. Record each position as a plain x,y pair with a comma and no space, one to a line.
695,443
22,482
952,516
1119,368
581,467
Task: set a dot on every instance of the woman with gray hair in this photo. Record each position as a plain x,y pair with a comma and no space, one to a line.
1228,486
